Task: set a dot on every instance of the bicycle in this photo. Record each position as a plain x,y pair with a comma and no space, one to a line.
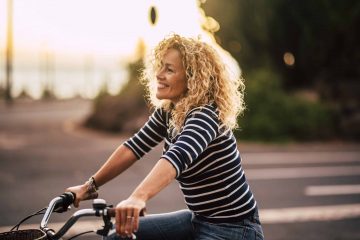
61,204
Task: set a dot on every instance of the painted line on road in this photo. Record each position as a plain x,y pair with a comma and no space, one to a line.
301,172
300,158
332,190
267,216
308,214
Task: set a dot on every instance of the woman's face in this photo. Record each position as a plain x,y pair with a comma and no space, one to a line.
171,77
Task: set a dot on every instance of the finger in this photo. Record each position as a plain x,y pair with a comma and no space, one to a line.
129,222
136,220
122,221
76,203
117,220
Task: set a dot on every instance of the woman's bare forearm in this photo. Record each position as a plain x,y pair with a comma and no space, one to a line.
162,174
120,160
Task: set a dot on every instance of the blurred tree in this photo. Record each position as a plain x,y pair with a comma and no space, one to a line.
307,44
321,35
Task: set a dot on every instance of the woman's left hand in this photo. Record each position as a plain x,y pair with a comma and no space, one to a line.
127,216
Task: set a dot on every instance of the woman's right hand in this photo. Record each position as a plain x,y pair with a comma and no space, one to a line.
82,193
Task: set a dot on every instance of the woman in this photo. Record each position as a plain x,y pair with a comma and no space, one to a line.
196,106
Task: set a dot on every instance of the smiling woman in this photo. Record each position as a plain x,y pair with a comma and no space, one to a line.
196,109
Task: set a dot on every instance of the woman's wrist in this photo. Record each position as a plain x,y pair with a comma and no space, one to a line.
91,185
139,196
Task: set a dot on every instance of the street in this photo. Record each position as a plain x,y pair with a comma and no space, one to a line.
304,191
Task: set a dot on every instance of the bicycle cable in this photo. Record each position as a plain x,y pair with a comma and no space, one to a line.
78,235
16,227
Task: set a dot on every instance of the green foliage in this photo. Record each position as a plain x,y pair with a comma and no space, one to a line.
274,115
322,36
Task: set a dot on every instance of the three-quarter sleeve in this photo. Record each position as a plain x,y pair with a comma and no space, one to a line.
200,128
150,135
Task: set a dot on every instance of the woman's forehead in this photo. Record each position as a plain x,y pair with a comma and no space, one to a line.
171,56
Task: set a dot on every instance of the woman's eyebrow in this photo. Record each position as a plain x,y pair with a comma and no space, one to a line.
169,65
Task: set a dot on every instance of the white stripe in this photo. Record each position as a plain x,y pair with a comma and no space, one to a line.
157,121
199,127
212,192
213,183
332,190
167,142
224,133
189,145
215,152
157,117
133,142
195,141
175,147
153,140
222,142
220,198
201,120
141,140
301,172
307,214
197,133
148,126
236,215
213,176
205,115
175,155
207,106
213,162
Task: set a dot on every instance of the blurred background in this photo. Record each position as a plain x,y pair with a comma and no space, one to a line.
69,94
300,60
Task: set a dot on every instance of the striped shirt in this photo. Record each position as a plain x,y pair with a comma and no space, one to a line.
207,162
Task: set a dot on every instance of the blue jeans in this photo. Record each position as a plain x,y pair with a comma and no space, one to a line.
182,225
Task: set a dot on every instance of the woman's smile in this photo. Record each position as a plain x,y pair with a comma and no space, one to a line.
162,86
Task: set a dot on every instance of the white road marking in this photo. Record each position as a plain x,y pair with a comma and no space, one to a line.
267,216
332,190
300,158
307,214
301,172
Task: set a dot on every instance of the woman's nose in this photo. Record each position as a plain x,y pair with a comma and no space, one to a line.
159,74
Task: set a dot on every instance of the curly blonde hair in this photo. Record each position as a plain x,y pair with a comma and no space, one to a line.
208,81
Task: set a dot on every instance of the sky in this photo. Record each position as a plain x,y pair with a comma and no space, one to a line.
102,33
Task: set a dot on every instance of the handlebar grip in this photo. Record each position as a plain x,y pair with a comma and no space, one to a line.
67,198
111,212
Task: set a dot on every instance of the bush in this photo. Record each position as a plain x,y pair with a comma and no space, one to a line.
126,112
274,115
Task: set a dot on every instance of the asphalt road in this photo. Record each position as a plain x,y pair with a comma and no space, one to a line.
307,191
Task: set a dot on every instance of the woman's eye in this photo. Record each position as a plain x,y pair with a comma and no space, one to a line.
169,70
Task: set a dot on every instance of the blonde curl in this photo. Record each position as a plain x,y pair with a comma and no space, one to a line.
208,81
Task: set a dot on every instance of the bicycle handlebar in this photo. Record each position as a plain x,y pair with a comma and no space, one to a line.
58,204
61,204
